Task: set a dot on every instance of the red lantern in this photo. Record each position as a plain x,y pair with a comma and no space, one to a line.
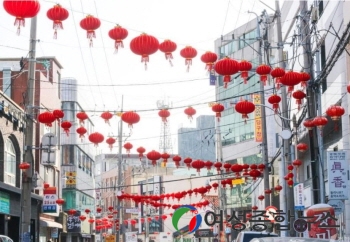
164,217
255,174
268,191
263,70
81,131
309,124
274,100
72,212
302,147
218,166
226,67
190,112
278,188
177,160
153,156
218,108
59,114
188,162
106,116
98,210
188,53
96,138
304,77
164,114
209,58
110,141
277,73
91,220
87,211
320,122
244,67
208,164
21,9
254,208
168,46
46,185
297,163
261,197
237,168
144,45
66,125
245,107
90,24
335,112
130,118
290,79
128,146
60,201
299,95
46,118
118,34
290,183
82,217
198,165
348,88
82,116
165,156
57,14
24,166
140,150
290,168
227,167
261,167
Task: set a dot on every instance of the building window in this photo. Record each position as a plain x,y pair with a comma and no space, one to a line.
10,163
59,83
7,82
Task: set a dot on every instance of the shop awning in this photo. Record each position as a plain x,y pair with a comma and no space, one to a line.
51,224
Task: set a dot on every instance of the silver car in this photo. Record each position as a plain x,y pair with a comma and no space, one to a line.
4,238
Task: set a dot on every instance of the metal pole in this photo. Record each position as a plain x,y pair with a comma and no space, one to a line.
120,160
147,210
26,205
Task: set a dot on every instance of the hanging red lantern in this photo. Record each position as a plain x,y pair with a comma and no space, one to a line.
106,116
87,211
254,208
261,197
165,156
290,183
177,160
91,220
82,116
244,68
167,47
96,138
226,67
59,114
190,111
98,210
164,217
90,24
277,73
263,70
188,53
72,212
57,14
209,58
227,167
261,167
153,156
144,45
237,168
82,217
164,114
188,162
309,124
66,125
302,147
24,166
299,95
21,9
268,191
128,146
278,188
304,77
130,118
218,108
348,88
118,34
60,201
320,122
81,131
297,163
245,107
335,112
110,141
218,166
46,118
255,174
198,165
290,79
141,150
274,99
208,164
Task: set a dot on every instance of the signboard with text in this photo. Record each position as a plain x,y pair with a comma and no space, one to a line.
49,200
299,196
337,174
4,203
257,124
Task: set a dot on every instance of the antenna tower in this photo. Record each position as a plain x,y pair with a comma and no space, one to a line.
165,144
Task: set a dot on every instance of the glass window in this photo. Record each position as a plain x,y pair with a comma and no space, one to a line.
10,163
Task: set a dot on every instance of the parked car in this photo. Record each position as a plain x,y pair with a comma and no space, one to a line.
246,236
4,238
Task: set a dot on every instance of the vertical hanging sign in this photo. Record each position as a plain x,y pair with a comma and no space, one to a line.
257,120
337,174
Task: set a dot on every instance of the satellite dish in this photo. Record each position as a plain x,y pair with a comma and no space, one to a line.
286,134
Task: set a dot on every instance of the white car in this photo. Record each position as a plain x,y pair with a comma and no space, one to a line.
4,238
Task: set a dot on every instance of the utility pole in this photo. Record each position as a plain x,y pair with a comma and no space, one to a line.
120,161
26,205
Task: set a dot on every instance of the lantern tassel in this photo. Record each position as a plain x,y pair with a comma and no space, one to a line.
244,75
263,78
290,89
67,132
278,83
117,44
19,22
275,107
298,102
